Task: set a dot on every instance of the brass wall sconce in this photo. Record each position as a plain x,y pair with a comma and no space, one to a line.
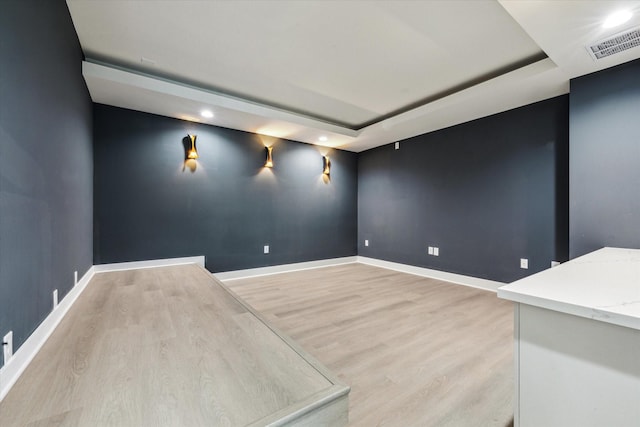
192,152
269,162
326,165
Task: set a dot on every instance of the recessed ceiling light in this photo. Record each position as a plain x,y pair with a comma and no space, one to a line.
206,113
323,139
617,18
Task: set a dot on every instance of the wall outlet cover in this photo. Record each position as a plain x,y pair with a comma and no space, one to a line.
397,145
430,250
55,298
266,249
7,346
524,263
366,243
436,251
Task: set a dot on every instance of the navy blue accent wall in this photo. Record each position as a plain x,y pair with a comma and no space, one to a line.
46,167
605,159
486,193
148,205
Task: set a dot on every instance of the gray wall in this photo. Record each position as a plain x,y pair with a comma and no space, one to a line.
605,160
46,164
148,207
487,193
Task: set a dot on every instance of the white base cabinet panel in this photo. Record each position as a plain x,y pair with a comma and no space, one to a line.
575,371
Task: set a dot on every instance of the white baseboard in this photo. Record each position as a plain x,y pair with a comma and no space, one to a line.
119,266
12,370
459,279
284,268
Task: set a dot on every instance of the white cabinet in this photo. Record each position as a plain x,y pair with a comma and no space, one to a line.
577,342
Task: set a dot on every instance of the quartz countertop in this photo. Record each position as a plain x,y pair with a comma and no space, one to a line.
603,285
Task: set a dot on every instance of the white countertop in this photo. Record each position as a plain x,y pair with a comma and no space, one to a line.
603,285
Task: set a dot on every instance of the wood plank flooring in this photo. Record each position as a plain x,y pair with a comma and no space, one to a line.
162,347
415,351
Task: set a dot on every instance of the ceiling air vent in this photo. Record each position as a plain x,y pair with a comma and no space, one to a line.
615,44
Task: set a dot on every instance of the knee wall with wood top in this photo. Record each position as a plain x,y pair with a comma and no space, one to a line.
171,346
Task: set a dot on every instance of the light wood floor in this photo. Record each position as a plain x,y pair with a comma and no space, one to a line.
415,351
163,347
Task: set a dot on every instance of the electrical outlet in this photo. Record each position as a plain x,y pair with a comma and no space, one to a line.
75,278
55,298
7,346
555,263
397,145
266,249
524,263
366,243
436,251
430,250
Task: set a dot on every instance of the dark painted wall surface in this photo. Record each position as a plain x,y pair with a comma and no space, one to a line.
487,193
147,206
46,168
605,160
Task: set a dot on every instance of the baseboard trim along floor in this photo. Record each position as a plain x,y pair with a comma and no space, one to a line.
12,370
284,268
134,265
458,279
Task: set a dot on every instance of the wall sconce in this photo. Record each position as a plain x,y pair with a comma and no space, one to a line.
326,165
269,162
192,153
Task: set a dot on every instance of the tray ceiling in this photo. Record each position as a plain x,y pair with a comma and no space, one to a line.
362,73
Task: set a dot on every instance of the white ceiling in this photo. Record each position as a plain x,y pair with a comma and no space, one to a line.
362,73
